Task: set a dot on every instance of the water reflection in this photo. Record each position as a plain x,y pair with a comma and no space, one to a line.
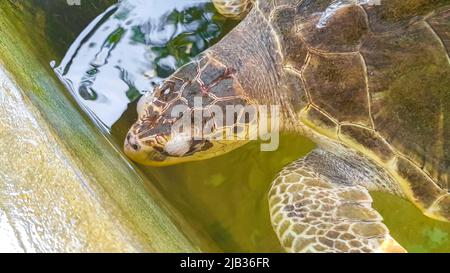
133,46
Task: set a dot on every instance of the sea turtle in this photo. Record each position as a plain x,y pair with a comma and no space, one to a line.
368,81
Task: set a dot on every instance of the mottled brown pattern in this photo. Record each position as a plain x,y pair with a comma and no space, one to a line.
441,25
421,186
336,83
369,139
259,75
392,14
294,93
343,32
294,50
409,81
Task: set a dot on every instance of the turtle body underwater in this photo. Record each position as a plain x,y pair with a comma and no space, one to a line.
367,81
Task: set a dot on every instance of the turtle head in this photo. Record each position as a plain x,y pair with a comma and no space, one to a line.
188,117
211,105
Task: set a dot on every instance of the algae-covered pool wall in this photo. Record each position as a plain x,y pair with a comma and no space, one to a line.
63,185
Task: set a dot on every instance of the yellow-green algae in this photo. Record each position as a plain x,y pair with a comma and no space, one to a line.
64,187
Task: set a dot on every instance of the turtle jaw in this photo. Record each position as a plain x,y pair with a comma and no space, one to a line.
161,151
146,154
153,150
138,151
175,150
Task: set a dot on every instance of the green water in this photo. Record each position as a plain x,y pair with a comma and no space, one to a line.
224,198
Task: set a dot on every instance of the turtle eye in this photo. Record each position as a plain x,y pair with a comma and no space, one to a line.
132,142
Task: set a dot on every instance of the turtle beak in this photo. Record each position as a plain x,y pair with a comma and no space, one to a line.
132,144
169,151
140,153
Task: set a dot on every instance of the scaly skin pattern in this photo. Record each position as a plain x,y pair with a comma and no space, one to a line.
217,88
311,213
369,83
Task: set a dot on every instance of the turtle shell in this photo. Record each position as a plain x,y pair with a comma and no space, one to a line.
376,75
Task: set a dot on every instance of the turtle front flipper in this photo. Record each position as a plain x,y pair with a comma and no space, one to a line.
235,9
315,208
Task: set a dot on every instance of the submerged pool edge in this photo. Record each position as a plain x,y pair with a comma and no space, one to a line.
140,209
